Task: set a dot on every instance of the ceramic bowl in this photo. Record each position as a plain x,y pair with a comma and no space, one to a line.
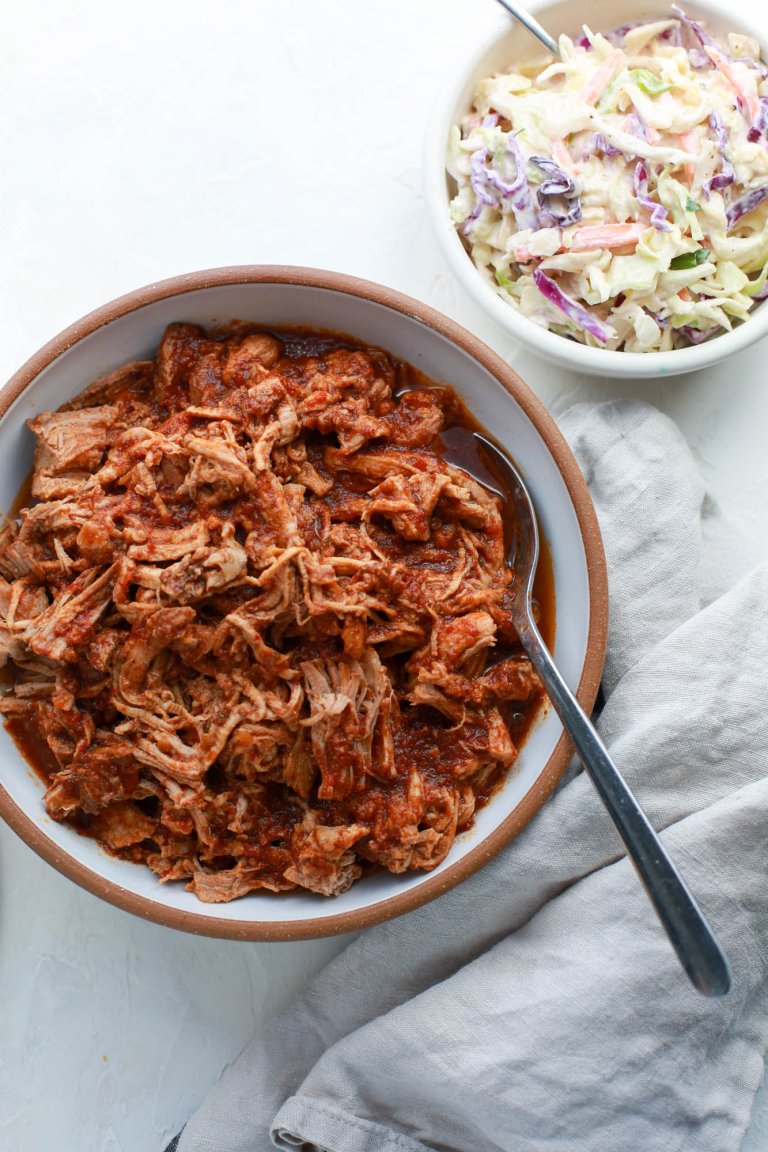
130,328
512,43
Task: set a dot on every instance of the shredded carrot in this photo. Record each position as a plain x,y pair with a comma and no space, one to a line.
740,88
688,144
590,238
561,155
595,87
684,294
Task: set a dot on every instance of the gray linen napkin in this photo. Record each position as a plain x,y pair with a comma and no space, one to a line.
538,1006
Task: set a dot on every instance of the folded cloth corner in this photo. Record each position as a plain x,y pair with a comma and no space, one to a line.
538,1006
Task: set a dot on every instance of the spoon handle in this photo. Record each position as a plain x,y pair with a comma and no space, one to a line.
532,25
682,919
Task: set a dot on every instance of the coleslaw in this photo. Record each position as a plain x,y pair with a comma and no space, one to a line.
619,196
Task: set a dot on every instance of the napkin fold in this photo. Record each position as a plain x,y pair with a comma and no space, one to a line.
538,1007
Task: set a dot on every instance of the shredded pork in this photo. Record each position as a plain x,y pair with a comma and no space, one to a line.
257,623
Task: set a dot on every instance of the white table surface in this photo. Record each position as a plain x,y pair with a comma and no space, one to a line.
142,140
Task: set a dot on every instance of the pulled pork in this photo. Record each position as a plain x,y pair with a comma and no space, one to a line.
250,612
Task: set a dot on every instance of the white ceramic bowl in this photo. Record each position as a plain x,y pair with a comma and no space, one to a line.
131,328
512,43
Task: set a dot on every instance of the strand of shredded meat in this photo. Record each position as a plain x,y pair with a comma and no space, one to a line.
258,624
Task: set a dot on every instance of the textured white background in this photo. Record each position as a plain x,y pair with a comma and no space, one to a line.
142,140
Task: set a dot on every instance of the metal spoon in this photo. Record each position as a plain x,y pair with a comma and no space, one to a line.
682,919
532,25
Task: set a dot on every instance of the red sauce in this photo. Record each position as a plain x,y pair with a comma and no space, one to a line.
424,738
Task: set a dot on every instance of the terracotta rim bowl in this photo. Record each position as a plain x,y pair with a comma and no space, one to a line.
129,327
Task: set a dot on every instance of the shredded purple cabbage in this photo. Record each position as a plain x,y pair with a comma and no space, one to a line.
557,196
553,217
726,176
636,126
479,179
760,124
658,211
600,144
750,63
757,65
697,58
698,335
703,37
491,187
700,59
499,185
745,204
518,192
673,36
616,35
558,182
603,144
570,308
582,42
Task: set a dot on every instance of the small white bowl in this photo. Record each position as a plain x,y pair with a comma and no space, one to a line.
130,328
512,43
